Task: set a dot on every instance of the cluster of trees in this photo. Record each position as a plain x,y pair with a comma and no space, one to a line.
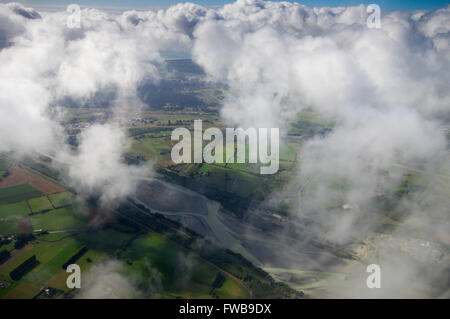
75,257
219,281
133,159
4,241
4,256
24,268
22,240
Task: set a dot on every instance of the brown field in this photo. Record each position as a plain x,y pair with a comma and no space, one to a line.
24,290
19,176
58,280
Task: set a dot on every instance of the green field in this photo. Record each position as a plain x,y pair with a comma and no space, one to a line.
61,199
14,210
231,290
58,219
152,148
51,257
107,240
40,204
18,193
9,227
52,251
240,179
181,274
150,261
230,180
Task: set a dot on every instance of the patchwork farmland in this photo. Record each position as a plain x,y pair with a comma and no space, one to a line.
19,201
43,228
19,176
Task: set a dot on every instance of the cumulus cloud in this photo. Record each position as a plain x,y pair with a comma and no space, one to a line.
47,64
98,169
107,281
24,123
386,90
28,13
342,66
11,25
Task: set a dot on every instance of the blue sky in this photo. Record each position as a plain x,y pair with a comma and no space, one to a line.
140,4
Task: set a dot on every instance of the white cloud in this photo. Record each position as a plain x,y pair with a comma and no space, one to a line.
97,168
107,281
386,89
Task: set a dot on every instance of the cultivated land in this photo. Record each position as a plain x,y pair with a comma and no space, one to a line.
61,199
14,210
59,229
17,193
166,232
40,204
18,176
